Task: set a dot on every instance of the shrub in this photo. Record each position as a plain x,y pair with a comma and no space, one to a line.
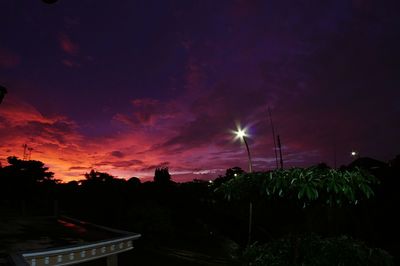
312,250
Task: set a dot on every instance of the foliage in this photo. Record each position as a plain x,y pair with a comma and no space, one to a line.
134,181
26,172
229,174
315,251
95,176
242,187
162,176
305,185
151,219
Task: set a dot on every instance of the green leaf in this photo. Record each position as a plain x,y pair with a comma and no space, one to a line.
301,193
309,193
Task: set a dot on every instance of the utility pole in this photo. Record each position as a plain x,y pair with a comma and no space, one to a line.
29,153
280,151
241,133
25,156
273,137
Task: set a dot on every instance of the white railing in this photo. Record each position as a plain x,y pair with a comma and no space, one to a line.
74,254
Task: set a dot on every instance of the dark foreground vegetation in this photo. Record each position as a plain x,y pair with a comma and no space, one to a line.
311,216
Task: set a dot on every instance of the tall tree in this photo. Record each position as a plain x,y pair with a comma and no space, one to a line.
162,176
26,172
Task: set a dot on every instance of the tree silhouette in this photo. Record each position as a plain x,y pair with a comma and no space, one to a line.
134,181
3,92
95,176
233,172
26,172
229,174
25,180
162,176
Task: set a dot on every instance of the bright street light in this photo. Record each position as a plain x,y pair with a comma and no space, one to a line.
242,134
354,154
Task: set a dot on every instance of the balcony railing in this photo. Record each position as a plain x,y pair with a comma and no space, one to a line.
74,254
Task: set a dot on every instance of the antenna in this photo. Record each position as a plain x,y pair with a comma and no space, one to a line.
273,136
29,153
280,151
25,156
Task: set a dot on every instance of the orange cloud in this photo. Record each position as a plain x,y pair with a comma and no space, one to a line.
134,150
58,142
50,137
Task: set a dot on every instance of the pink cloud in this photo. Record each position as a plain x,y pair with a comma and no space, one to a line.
16,112
192,138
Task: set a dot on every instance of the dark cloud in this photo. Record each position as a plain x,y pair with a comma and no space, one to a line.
154,166
79,168
120,164
215,114
70,63
327,69
118,154
8,59
148,112
67,45
123,164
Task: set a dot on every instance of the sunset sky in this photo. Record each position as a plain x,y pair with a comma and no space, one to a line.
127,86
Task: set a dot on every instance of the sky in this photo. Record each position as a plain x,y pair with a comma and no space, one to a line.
127,86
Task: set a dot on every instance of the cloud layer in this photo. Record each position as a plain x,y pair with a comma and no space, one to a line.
165,86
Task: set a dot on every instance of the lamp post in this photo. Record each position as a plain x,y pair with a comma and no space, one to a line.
241,134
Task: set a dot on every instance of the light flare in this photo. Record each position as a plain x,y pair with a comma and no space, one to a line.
240,133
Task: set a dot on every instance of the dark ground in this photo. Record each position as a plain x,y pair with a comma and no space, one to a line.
27,233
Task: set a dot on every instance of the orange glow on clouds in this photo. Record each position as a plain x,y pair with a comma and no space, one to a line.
57,141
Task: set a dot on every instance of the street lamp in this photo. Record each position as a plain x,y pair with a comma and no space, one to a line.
242,134
355,154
